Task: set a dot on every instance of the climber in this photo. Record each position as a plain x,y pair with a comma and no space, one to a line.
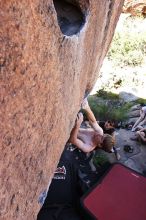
142,119
140,136
89,139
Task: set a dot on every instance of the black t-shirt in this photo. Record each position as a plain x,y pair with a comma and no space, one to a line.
64,183
62,198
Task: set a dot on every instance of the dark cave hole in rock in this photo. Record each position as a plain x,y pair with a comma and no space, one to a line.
70,16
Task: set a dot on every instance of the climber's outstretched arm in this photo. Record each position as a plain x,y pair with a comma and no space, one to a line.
91,117
74,136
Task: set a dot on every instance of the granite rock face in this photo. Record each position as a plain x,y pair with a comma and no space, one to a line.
50,56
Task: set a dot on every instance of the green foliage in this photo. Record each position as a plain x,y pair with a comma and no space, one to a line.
128,47
119,114
107,95
100,160
102,112
109,109
93,105
140,101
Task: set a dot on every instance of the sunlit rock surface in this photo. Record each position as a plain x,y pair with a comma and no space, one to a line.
50,56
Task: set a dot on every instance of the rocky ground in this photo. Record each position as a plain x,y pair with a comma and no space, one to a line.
135,160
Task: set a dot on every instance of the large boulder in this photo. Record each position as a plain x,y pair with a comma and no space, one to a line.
51,54
127,96
134,114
